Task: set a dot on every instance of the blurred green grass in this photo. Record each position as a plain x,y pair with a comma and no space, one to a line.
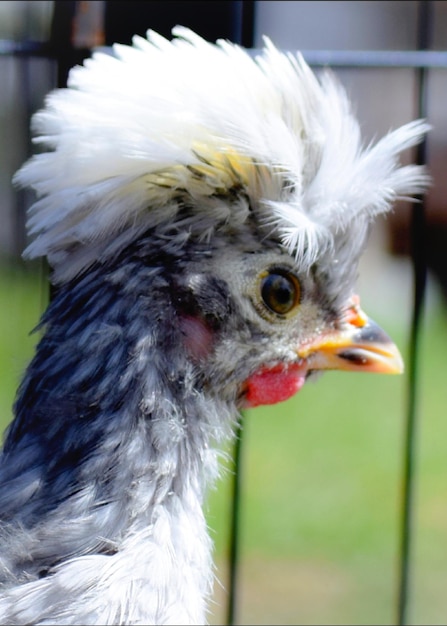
321,484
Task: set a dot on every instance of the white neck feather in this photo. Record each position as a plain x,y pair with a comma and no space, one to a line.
159,571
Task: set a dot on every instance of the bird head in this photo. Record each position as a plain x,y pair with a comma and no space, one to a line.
245,176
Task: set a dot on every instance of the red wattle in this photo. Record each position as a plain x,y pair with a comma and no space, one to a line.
269,386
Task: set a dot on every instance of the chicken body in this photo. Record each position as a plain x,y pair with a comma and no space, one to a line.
190,281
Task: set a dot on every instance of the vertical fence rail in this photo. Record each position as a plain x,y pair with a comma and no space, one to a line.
418,250
234,537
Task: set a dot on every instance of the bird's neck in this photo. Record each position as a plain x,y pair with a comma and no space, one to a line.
162,553
118,445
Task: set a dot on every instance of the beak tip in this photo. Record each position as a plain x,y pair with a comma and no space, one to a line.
367,348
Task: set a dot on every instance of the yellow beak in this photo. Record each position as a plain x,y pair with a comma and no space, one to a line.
359,345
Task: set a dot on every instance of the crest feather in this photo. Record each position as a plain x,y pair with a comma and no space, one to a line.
161,121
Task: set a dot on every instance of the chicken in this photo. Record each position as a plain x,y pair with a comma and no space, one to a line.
202,212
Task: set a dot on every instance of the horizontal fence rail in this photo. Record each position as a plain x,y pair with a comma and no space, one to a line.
412,59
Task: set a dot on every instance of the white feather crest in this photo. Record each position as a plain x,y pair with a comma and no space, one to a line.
159,119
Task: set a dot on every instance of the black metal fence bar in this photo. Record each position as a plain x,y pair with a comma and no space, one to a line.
9,47
412,59
419,257
377,58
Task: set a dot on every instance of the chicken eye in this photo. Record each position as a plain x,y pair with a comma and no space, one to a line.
280,291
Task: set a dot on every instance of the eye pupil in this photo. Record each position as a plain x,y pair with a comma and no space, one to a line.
280,292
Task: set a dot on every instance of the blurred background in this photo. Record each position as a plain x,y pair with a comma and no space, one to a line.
322,473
